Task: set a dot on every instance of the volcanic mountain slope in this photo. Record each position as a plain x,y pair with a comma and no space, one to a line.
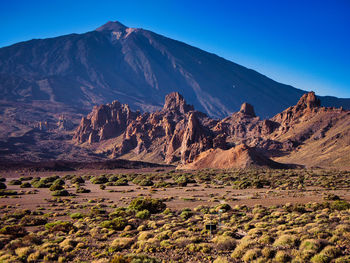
320,136
139,68
179,134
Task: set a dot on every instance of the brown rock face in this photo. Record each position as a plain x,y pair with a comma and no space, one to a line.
247,109
104,122
240,156
179,134
175,102
309,100
306,107
195,140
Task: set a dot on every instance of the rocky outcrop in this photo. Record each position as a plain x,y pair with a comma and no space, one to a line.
247,109
179,134
306,107
64,124
104,122
175,102
240,156
195,139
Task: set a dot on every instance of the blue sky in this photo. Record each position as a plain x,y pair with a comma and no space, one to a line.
302,43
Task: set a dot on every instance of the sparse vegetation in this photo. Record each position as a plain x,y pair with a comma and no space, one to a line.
80,223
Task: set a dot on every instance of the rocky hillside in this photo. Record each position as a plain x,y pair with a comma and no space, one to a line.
137,67
179,134
240,156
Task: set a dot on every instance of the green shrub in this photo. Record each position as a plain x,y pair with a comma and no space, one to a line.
77,180
224,242
182,180
26,185
15,182
251,255
30,220
150,204
186,213
320,258
64,226
102,179
13,230
144,214
81,190
56,187
44,182
117,223
288,241
121,182
76,215
340,205
282,257
121,243
60,193
146,182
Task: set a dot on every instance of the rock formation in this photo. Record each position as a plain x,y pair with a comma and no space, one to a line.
104,122
179,134
240,156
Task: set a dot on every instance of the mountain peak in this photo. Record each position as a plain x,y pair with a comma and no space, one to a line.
247,109
112,26
309,100
175,101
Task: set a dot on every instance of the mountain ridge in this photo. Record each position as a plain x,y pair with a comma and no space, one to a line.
139,69
179,134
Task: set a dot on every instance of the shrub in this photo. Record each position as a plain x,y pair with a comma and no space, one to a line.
288,241
223,208
44,182
320,258
251,255
102,179
2,185
144,214
60,193
121,243
182,180
331,251
26,185
63,226
15,182
81,190
59,182
33,220
7,192
76,215
117,223
220,259
146,182
282,257
77,180
150,204
56,187
310,247
340,205
14,230
186,213
121,182
224,242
